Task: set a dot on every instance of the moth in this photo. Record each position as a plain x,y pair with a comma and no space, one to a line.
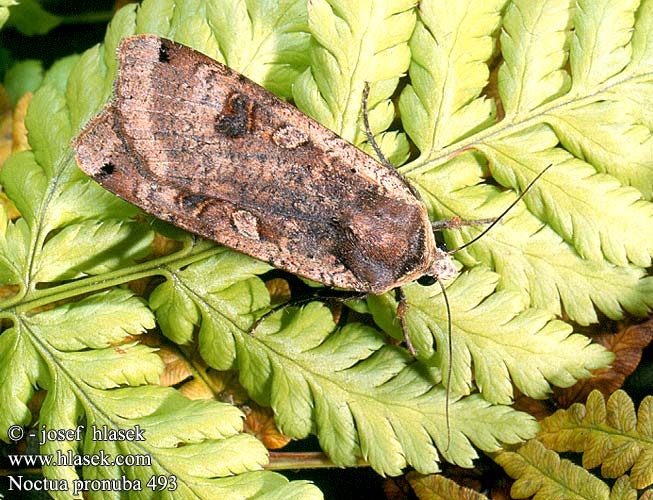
199,145
196,144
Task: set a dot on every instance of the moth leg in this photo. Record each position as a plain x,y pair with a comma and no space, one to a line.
276,309
320,295
496,220
457,223
402,308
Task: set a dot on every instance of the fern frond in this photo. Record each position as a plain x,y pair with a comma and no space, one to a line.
610,435
81,376
571,250
266,41
22,77
14,251
346,386
354,43
438,487
513,354
534,31
575,196
379,402
545,107
4,10
600,48
450,44
542,474
531,258
19,371
231,293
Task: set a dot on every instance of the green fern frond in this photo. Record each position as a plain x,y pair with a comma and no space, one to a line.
603,198
532,259
538,95
530,340
29,17
570,251
450,46
46,187
622,490
346,386
4,10
267,41
534,31
219,294
575,88
24,76
610,435
81,376
354,43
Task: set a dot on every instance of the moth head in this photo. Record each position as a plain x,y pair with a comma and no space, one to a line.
442,268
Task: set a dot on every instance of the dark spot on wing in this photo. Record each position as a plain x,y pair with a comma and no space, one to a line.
106,169
192,201
235,116
164,57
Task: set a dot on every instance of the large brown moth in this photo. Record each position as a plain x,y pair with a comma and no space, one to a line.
197,144
218,155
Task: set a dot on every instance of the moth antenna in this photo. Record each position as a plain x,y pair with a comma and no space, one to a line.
503,214
449,368
69,157
370,137
368,131
457,223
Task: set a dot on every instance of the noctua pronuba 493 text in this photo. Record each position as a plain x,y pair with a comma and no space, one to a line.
198,145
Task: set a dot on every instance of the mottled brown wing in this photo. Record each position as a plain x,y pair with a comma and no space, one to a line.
194,143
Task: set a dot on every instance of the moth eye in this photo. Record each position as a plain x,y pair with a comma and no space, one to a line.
426,280
107,168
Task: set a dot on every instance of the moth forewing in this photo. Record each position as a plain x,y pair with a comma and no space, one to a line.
220,156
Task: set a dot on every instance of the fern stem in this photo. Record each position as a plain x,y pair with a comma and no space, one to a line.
303,460
43,297
516,123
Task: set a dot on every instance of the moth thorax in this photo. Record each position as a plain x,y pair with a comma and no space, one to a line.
442,267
